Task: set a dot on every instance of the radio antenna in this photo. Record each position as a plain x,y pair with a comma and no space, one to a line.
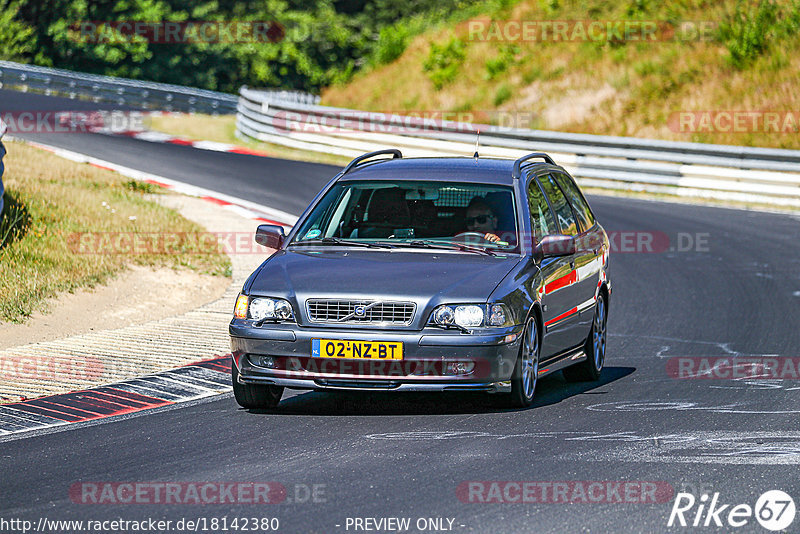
477,142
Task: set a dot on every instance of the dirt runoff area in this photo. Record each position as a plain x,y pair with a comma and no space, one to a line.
139,294
135,296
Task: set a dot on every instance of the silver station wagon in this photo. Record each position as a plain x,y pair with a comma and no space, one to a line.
427,274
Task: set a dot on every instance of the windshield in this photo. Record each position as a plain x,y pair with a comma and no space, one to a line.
414,213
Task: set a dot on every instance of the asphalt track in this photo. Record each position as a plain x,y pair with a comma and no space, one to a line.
382,455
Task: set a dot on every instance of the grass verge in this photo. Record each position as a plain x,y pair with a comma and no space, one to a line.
49,201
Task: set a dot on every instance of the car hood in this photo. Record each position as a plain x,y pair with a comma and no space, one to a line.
425,277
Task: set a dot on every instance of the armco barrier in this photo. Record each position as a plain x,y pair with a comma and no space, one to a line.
747,174
136,94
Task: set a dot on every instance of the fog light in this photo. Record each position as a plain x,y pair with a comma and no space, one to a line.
458,368
267,362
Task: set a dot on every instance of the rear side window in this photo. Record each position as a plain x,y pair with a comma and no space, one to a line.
576,199
542,221
566,219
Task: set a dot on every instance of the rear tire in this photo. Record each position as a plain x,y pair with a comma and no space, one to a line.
595,348
254,396
526,369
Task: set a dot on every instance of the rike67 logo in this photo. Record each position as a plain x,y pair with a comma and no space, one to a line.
774,510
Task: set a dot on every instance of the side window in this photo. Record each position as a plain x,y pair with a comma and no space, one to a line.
566,219
576,199
542,221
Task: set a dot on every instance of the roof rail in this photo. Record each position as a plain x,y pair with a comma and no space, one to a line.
517,173
396,154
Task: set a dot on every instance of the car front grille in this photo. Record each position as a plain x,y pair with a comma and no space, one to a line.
372,312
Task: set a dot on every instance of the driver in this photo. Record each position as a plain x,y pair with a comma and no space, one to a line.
481,219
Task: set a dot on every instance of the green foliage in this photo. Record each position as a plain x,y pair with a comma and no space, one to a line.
322,42
553,74
747,31
620,81
502,95
498,65
751,28
15,220
17,40
141,187
550,7
444,62
637,8
647,67
532,74
392,42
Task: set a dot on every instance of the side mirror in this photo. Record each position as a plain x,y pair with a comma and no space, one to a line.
556,245
270,235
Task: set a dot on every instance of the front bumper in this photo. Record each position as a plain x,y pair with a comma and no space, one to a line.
426,355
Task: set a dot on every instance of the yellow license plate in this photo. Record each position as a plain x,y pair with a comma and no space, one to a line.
357,350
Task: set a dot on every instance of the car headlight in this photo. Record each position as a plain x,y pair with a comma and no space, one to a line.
443,315
472,315
469,315
261,308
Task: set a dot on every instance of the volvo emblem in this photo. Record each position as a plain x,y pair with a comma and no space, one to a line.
360,310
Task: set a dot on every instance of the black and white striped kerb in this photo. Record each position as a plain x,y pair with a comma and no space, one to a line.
195,381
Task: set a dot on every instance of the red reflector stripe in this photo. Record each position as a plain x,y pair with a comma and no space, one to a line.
562,316
564,281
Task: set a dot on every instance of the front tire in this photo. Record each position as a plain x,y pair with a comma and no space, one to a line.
526,370
254,396
595,348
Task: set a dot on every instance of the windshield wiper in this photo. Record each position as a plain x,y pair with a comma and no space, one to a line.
449,246
344,242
